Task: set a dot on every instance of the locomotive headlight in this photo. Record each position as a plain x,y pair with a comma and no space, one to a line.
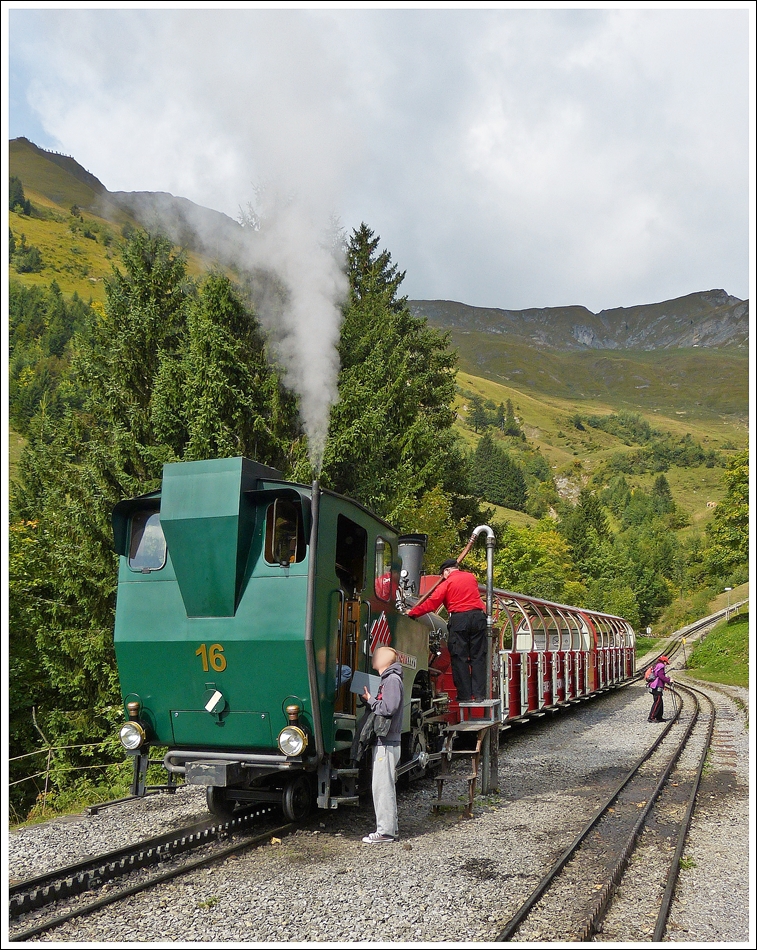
292,740
132,735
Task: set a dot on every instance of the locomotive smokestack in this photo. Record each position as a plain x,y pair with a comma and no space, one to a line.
411,548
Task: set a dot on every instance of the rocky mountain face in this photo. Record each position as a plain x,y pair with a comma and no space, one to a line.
710,318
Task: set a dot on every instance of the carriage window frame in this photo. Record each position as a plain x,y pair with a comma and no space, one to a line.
271,542
382,568
136,539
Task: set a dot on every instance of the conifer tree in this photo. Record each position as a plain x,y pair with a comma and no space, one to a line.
728,532
511,426
390,436
496,477
477,417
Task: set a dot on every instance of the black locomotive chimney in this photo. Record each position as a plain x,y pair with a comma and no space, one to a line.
411,548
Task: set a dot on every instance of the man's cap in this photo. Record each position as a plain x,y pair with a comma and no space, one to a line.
664,659
449,563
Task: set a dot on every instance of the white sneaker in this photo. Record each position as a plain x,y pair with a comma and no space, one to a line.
375,838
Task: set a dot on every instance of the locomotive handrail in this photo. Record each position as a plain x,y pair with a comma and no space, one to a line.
340,631
367,604
310,623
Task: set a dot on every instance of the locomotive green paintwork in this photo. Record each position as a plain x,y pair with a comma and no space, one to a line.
224,613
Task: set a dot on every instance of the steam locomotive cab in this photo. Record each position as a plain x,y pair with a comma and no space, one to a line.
245,605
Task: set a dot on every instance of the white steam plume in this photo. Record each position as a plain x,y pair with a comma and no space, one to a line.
302,313
202,104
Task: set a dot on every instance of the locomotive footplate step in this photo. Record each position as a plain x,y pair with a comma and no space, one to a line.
490,711
470,725
455,777
474,755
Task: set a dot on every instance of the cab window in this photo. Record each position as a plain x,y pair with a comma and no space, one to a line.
147,545
382,584
284,540
351,555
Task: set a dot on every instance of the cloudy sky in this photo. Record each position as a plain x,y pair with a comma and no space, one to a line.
510,157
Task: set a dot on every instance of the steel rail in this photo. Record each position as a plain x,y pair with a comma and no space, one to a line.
605,896
520,915
72,880
113,898
35,892
667,897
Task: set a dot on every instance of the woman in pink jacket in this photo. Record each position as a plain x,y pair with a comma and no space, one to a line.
657,686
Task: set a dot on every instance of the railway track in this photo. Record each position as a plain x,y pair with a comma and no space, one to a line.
132,868
655,801
654,847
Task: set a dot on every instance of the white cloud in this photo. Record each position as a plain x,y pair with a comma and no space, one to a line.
508,158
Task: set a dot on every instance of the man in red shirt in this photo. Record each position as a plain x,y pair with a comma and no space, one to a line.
467,629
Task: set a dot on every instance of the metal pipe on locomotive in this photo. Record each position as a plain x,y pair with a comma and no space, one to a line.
245,605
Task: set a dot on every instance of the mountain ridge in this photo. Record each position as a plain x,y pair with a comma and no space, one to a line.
710,318
186,223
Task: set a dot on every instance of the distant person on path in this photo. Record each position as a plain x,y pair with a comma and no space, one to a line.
388,702
657,686
467,629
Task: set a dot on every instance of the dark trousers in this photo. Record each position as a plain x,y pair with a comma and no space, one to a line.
466,641
655,714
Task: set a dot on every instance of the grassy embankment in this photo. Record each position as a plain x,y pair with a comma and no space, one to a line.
690,384
723,655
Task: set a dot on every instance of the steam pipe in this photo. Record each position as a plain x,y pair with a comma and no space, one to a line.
489,597
461,557
310,621
489,567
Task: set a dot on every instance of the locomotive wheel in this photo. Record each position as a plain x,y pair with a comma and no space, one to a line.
218,804
297,798
416,744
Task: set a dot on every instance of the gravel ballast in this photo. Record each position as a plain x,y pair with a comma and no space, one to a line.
447,880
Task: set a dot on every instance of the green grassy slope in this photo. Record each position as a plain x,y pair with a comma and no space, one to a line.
56,182
573,455
78,264
75,262
701,383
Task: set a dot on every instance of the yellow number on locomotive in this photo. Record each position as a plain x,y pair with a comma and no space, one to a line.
214,655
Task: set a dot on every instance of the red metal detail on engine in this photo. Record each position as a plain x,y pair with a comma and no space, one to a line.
427,582
381,635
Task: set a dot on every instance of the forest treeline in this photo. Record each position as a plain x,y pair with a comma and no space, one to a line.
173,368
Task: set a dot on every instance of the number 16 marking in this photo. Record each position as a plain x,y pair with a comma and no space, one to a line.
214,655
